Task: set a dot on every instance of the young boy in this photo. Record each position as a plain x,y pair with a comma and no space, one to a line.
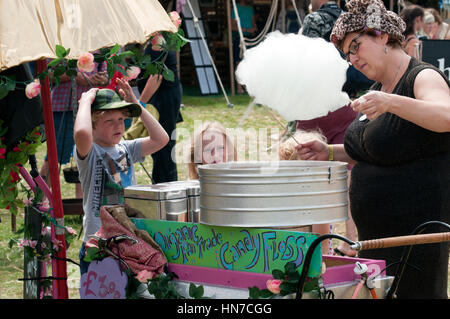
104,160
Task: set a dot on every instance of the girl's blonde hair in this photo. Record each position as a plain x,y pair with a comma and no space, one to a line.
195,153
286,149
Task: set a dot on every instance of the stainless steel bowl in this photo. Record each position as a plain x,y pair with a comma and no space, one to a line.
273,194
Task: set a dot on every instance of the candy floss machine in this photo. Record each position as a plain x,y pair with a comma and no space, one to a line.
175,201
273,194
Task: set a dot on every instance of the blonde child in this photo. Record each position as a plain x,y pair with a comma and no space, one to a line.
105,161
210,144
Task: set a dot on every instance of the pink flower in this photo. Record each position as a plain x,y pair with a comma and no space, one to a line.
133,72
175,17
158,42
46,231
85,62
33,89
32,243
2,152
21,243
45,205
273,285
56,244
27,202
144,276
70,230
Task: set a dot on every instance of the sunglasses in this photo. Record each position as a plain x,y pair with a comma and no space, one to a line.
353,47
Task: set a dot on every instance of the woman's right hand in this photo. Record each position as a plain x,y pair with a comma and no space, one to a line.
314,151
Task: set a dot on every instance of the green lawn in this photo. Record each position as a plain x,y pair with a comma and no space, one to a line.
213,108
196,108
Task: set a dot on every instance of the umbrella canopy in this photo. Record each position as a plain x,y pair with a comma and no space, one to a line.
31,29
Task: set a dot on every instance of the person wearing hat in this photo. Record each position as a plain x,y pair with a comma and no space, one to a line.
400,151
105,161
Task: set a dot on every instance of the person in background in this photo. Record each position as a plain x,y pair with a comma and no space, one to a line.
439,28
105,161
413,17
64,106
165,96
401,177
291,19
210,144
428,24
246,15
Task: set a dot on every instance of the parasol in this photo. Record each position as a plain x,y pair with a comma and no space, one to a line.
30,31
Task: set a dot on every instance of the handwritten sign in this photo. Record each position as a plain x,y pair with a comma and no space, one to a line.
103,280
231,248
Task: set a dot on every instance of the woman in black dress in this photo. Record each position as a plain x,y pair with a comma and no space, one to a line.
401,152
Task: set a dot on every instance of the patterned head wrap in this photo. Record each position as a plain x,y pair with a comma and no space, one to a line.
367,15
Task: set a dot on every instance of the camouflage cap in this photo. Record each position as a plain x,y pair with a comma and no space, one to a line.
107,99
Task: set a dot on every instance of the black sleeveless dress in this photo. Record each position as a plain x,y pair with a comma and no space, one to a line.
401,180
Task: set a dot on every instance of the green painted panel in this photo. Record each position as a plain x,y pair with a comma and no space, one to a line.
233,248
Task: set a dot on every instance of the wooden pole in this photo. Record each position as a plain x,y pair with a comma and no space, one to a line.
230,48
401,241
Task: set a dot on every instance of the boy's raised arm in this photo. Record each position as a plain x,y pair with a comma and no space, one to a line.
158,137
82,131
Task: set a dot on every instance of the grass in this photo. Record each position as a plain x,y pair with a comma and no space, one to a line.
196,108
211,108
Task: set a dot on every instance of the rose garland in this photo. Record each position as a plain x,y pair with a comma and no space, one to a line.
129,63
10,162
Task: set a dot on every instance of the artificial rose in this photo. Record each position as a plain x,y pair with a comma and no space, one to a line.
175,17
144,276
158,42
133,72
33,89
273,285
27,202
85,62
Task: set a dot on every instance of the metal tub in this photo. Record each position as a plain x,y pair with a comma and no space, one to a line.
165,202
273,194
193,197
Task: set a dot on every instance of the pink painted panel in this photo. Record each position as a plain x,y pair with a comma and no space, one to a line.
340,269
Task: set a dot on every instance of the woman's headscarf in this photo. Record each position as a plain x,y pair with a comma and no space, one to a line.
367,15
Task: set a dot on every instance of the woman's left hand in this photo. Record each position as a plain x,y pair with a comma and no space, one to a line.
373,104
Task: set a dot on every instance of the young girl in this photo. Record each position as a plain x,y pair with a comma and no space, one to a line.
210,144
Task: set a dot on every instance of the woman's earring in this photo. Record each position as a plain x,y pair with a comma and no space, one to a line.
385,50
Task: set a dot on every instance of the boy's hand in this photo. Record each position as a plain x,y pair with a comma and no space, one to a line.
126,91
88,96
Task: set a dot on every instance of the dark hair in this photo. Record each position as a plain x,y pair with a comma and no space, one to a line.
392,39
408,15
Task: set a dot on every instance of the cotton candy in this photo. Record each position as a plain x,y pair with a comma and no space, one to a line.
299,77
